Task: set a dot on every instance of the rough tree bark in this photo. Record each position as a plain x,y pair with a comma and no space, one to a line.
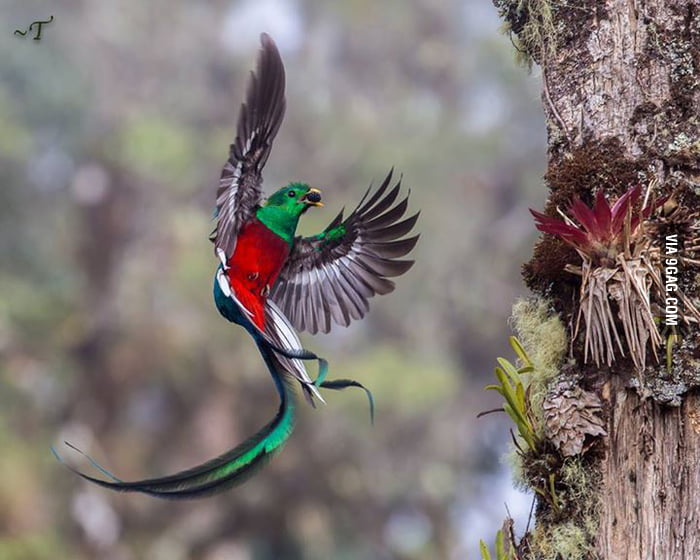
621,95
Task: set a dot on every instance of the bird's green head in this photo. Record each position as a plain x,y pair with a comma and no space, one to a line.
281,211
295,198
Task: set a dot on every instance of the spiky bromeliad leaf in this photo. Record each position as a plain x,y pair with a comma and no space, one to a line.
621,265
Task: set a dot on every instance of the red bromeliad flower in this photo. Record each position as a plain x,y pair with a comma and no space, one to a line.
621,276
601,235
620,267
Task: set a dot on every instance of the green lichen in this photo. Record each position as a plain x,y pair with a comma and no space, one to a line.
531,25
680,142
566,487
515,461
566,541
542,334
668,387
570,533
682,149
582,483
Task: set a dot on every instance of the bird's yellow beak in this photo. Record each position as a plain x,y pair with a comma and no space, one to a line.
313,198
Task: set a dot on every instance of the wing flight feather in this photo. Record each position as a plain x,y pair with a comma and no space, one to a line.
330,277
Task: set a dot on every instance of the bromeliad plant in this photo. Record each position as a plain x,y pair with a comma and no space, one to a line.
621,264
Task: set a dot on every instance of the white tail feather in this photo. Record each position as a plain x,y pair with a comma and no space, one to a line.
288,340
280,333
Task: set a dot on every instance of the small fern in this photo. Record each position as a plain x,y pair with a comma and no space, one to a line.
512,389
499,549
518,406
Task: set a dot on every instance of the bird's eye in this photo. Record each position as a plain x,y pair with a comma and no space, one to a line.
291,194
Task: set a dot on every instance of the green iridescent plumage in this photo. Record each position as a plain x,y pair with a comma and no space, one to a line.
329,236
223,472
281,211
270,281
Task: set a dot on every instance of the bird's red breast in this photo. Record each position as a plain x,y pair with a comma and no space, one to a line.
254,266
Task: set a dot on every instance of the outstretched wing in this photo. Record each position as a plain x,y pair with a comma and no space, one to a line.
240,186
331,276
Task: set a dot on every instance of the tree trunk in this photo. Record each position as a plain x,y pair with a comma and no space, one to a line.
651,479
621,94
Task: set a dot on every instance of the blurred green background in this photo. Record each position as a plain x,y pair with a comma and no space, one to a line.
113,130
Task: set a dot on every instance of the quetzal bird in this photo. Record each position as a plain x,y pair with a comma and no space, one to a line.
271,281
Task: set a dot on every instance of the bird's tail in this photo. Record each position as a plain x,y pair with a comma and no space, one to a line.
284,358
226,470
289,356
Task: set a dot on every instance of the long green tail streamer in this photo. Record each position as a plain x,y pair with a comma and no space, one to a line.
241,462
